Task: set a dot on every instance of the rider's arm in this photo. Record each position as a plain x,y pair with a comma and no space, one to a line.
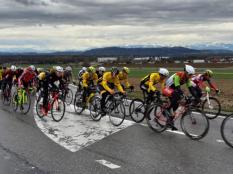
212,86
153,77
118,85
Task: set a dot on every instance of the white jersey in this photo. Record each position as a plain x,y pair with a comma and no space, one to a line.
170,81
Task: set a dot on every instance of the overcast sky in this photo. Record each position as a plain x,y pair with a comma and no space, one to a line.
81,24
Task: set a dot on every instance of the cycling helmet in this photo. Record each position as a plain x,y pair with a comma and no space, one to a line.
13,68
68,68
102,69
115,71
84,68
126,69
59,69
164,72
189,69
209,72
91,69
32,68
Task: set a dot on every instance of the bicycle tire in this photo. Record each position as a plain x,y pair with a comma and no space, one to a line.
69,97
61,103
197,113
154,123
14,101
133,110
7,96
29,104
78,104
38,106
93,107
212,115
116,110
223,128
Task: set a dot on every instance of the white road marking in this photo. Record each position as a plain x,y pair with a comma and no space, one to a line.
75,132
108,164
220,141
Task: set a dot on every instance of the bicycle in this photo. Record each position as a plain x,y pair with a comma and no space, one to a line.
114,107
21,99
6,95
138,107
227,130
67,95
79,105
193,121
56,105
210,105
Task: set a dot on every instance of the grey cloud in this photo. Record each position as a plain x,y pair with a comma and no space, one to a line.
131,12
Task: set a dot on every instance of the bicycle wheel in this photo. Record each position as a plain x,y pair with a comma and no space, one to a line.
211,109
194,124
95,108
39,105
14,101
78,103
155,119
117,113
26,104
69,97
137,110
7,96
58,110
227,130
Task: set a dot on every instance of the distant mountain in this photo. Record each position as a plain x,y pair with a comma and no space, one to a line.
119,51
128,51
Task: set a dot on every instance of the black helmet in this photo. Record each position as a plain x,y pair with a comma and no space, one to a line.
115,71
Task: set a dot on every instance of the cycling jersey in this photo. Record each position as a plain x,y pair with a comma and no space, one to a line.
80,74
8,75
178,79
109,79
150,80
198,80
26,77
89,79
123,77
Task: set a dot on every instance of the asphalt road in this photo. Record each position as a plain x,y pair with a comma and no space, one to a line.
24,148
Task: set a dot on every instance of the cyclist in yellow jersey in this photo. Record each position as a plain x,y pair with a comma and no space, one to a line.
109,82
89,79
148,83
123,77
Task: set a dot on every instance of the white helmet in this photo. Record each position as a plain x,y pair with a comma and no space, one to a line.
103,69
59,69
68,68
164,72
84,68
32,67
13,68
189,69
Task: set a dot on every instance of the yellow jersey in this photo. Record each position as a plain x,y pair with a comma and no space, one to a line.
151,80
108,78
87,77
124,78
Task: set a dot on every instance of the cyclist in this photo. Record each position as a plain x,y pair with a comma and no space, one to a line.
198,84
19,71
148,83
109,82
68,74
173,86
100,72
80,73
8,76
48,79
123,77
27,77
89,79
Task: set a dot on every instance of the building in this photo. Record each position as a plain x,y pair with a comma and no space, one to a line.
107,59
